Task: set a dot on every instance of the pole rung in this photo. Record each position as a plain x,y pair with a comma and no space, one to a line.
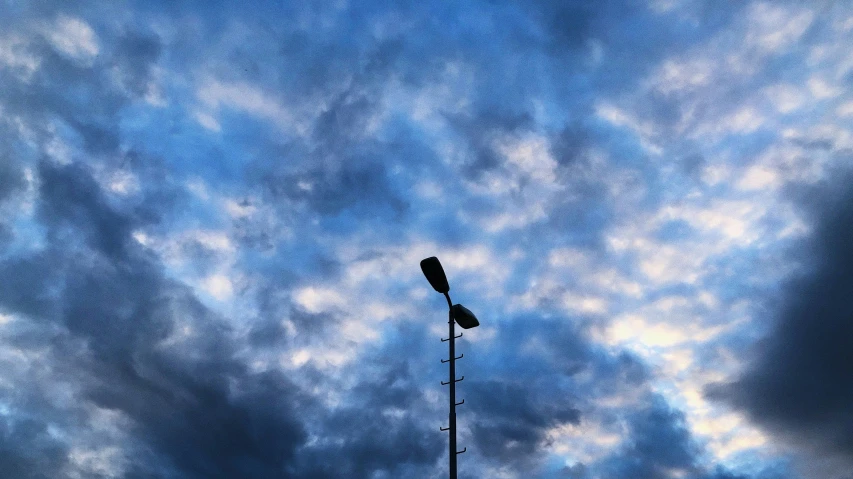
448,339
463,450
460,402
443,428
445,383
457,357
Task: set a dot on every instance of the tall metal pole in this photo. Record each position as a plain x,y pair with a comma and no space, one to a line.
451,329
451,322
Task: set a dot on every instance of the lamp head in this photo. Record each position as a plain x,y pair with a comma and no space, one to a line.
435,274
464,317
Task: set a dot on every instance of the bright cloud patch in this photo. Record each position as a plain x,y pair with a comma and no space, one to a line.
74,38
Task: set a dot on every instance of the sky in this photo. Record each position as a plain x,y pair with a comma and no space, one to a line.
212,216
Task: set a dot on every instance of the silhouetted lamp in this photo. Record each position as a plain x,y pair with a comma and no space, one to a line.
464,317
460,315
435,274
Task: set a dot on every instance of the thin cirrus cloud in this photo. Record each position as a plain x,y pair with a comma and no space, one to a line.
211,219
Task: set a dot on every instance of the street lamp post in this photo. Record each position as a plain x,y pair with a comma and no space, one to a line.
456,314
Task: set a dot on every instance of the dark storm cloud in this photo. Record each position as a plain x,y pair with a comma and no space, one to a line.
382,429
357,182
658,445
570,145
569,22
800,384
6,234
363,447
72,201
134,56
31,285
43,455
84,96
11,182
344,121
520,387
513,417
267,329
383,425
196,409
577,471
11,177
81,96
340,167
62,89
480,131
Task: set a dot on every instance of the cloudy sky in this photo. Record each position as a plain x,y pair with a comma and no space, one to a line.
212,214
